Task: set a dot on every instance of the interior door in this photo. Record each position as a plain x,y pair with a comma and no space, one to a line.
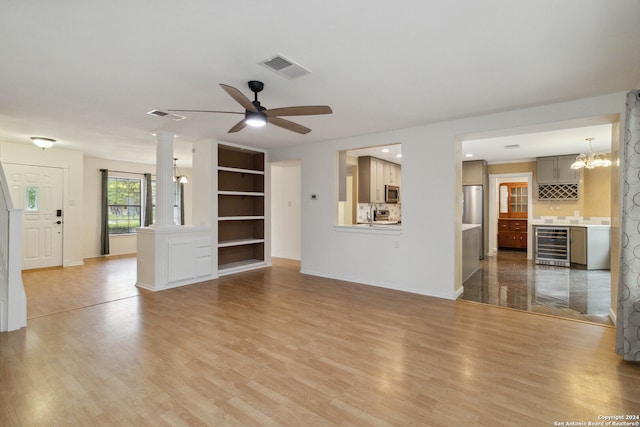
38,191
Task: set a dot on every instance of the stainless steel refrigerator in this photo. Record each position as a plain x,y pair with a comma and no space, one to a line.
473,210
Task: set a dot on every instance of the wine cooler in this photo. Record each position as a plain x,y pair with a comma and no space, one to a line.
552,246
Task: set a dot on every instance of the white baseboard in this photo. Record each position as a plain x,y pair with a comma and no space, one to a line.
376,284
459,292
612,316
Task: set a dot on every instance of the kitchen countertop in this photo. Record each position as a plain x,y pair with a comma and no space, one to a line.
388,222
572,225
393,228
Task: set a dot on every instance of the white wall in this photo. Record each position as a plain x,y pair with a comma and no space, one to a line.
285,210
71,162
425,257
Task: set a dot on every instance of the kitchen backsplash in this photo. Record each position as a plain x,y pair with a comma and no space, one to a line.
570,220
395,210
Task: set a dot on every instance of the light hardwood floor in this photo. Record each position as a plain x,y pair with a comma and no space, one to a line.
274,347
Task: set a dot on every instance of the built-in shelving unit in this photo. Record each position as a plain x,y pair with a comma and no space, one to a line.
240,209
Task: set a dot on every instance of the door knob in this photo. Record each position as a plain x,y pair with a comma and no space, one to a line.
58,222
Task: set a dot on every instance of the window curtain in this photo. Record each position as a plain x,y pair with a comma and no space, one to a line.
148,200
181,203
104,217
628,313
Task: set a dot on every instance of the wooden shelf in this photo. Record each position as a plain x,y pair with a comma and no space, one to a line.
240,170
240,209
239,242
240,193
238,266
239,218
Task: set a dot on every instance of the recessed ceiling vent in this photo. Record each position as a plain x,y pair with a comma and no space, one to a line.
285,67
157,113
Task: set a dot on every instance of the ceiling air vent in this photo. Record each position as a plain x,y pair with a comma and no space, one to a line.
285,67
157,113
172,116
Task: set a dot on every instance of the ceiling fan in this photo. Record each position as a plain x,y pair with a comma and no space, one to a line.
255,115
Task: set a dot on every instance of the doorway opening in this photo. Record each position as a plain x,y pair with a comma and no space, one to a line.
286,207
511,277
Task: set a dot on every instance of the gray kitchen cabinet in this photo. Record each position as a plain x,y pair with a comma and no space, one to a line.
391,173
470,251
556,170
590,247
473,172
370,180
373,175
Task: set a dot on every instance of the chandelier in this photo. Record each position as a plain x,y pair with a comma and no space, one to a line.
592,160
176,174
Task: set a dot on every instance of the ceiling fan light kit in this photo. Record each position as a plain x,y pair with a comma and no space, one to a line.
255,119
255,115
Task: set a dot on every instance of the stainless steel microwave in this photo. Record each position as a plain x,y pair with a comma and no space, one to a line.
391,193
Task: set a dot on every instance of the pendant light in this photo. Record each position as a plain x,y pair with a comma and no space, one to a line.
592,160
182,179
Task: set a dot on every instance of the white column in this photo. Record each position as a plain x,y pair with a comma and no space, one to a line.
164,179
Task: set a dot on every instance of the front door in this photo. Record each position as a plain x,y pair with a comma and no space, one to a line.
38,191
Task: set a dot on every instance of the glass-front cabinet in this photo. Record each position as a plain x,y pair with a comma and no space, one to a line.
514,200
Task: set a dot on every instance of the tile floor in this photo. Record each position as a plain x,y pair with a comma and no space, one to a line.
509,280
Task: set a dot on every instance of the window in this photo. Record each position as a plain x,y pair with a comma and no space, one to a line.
125,206
369,185
31,199
177,203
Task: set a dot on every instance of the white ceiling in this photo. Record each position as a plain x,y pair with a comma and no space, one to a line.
391,153
85,73
528,146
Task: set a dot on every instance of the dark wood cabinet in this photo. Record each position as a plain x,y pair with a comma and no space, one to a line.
512,233
514,197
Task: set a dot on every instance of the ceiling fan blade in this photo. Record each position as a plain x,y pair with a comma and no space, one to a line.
238,126
286,124
206,111
239,97
309,110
